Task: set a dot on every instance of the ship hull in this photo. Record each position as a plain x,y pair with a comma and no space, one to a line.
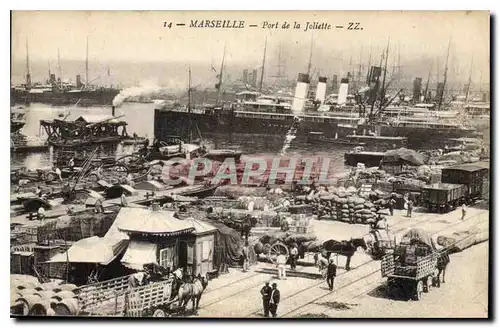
84,98
177,123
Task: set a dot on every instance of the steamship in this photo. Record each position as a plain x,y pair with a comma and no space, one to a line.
257,114
57,92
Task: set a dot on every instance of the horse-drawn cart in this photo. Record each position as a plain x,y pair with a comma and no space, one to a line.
413,267
152,300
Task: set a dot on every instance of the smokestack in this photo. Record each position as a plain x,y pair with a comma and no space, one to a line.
335,84
299,99
343,90
52,79
417,88
254,78
78,81
245,76
28,81
113,110
321,90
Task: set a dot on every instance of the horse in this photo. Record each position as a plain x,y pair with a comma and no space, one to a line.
442,262
192,291
344,248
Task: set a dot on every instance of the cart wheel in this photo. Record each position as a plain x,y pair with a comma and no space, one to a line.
419,290
428,285
159,313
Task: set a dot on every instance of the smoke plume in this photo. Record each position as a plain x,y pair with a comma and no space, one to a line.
144,90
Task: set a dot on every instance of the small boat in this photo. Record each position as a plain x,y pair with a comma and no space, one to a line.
221,154
135,141
318,137
200,191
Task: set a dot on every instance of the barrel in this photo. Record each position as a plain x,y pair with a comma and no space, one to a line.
63,295
27,285
41,308
45,294
68,306
24,292
68,287
50,285
28,301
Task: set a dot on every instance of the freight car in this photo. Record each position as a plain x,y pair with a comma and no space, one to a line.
443,197
474,176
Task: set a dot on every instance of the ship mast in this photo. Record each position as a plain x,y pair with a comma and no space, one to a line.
189,105
427,83
369,66
219,85
87,64
469,81
382,95
263,65
28,74
445,75
59,68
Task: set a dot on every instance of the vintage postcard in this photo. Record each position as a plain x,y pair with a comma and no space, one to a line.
250,164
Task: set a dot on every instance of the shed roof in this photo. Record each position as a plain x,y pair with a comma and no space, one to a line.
153,222
200,227
470,167
96,118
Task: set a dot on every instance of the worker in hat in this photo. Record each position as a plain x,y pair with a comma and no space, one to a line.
266,298
274,300
331,273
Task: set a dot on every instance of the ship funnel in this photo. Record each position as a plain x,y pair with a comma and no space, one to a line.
299,99
113,110
343,89
417,88
321,90
79,81
335,84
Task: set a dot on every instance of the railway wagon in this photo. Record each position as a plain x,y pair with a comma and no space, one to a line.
473,176
443,197
412,268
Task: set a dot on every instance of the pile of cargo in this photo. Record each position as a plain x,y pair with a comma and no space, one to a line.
29,297
345,205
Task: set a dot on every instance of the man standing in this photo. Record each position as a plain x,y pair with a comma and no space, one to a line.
410,208
331,273
280,264
392,202
274,300
245,256
464,211
266,297
294,252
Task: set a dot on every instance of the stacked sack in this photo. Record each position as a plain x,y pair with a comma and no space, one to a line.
344,205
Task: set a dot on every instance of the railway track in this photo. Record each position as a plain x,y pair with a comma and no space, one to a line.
402,226
365,276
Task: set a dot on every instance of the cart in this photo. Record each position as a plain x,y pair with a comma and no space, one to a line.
152,300
412,279
412,267
381,244
276,249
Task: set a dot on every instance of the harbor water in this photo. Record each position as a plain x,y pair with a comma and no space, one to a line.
140,119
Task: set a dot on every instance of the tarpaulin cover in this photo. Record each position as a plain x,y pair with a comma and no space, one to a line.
139,253
421,235
407,155
227,246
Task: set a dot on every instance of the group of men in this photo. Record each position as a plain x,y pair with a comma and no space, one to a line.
270,299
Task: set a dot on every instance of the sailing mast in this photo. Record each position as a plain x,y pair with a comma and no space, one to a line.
469,81
427,83
189,105
382,95
263,65
87,64
219,85
28,74
369,66
445,75
59,68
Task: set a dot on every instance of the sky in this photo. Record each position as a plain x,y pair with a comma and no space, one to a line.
136,37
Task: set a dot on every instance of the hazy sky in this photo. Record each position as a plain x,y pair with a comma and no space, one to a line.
140,36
